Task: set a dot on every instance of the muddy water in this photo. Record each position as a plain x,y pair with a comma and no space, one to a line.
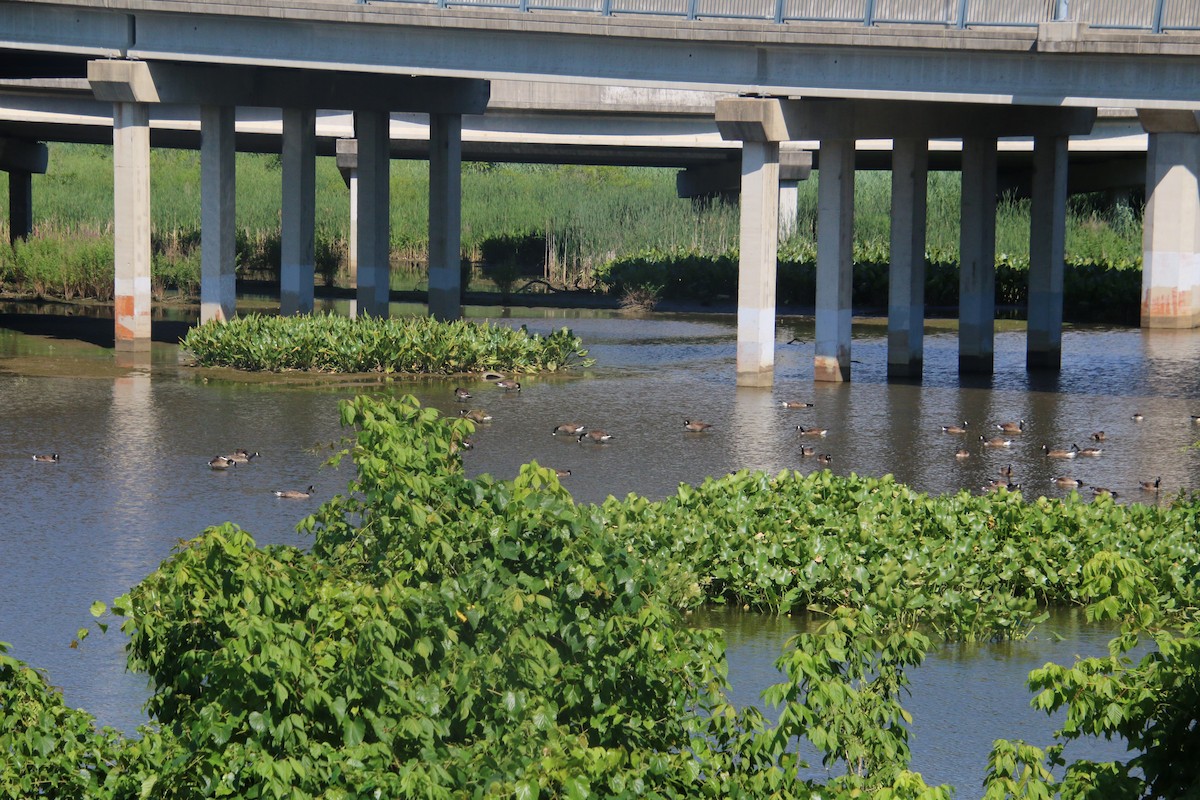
135,438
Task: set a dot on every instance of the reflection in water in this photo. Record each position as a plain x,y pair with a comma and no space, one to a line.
135,443
961,699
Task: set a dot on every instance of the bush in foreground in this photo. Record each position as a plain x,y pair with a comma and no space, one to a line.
454,637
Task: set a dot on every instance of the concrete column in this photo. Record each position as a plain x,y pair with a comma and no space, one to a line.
374,212
131,225
906,278
789,205
445,216
20,204
977,257
835,259
299,211
218,245
1171,232
1047,244
758,263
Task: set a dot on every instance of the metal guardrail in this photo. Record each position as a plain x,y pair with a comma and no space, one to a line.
1155,16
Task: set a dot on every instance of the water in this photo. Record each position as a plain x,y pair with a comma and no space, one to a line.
135,440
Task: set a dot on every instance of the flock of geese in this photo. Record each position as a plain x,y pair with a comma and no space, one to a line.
1008,430
582,433
216,463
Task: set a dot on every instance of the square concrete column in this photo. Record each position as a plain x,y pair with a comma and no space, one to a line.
20,204
297,264
445,216
977,257
1047,244
789,206
218,244
131,225
758,264
906,278
374,212
835,259
1171,232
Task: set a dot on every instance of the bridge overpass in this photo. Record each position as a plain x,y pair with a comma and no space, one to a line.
896,71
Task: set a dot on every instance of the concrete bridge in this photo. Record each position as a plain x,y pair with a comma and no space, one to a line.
830,73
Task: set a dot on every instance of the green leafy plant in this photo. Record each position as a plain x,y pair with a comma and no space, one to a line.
330,343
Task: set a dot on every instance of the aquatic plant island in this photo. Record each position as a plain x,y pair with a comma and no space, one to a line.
409,345
455,637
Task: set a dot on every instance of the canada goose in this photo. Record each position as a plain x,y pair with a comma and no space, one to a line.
460,444
1137,416
695,427
962,452
1007,471
509,386
1012,427
1091,452
1196,419
807,450
242,456
461,395
995,441
1053,452
568,428
48,458
1099,436
563,473
811,431
994,485
221,462
825,459
795,404
955,428
1097,491
1150,486
475,414
292,494
597,436
1063,480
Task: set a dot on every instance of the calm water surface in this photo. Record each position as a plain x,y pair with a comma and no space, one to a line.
135,441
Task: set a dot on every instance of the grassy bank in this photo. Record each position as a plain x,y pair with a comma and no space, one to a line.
567,225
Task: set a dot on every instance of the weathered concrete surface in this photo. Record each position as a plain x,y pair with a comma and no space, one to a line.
757,264
1047,247
131,225
218,218
835,260
906,278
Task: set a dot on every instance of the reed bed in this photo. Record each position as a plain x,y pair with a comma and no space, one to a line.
563,224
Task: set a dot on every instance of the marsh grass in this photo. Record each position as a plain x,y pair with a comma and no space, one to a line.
561,224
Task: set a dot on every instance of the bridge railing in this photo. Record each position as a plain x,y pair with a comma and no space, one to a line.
1156,16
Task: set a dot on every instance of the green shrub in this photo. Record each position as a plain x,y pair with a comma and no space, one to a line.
416,345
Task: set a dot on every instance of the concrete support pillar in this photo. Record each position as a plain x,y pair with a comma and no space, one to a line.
977,257
374,212
758,263
218,246
789,205
131,225
1047,244
906,278
835,259
20,205
297,265
445,216
1171,232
